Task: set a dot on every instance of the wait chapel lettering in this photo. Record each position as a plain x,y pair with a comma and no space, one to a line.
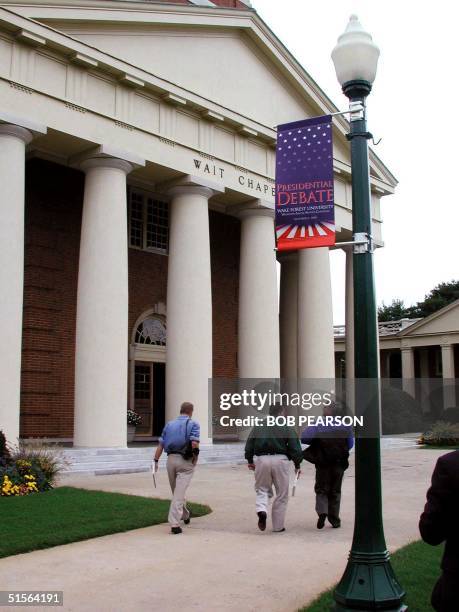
213,170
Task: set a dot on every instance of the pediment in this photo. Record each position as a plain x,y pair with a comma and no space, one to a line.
443,321
222,65
230,59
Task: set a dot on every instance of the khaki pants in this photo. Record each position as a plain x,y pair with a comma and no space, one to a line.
180,472
272,470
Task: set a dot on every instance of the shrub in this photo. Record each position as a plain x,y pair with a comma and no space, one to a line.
400,412
451,415
30,470
441,434
4,450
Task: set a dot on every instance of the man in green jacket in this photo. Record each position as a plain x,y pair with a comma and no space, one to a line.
269,450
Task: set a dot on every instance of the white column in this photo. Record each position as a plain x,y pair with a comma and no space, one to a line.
408,370
189,305
101,358
447,360
424,382
288,316
258,335
13,140
316,357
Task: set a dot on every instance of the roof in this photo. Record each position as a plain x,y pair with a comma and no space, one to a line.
237,4
421,324
408,327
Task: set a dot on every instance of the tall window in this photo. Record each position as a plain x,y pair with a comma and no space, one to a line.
148,221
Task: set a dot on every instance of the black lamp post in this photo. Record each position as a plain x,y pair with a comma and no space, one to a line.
368,582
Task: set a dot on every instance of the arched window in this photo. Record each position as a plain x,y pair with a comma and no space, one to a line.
151,331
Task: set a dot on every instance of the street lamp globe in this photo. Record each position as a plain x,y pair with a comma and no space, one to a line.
355,57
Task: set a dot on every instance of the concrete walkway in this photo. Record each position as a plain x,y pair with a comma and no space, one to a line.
221,562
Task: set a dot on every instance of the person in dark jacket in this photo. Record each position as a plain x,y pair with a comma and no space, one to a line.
329,447
439,523
269,450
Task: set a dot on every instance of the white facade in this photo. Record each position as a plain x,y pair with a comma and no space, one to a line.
182,101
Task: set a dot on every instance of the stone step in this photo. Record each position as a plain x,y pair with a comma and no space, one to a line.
139,456
128,468
104,461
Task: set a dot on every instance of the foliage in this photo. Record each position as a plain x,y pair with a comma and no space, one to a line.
68,514
441,433
30,469
400,412
451,415
4,450
133,418
21,478
440,296
417,567
392,312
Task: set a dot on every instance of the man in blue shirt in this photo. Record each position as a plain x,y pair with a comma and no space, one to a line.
180,440
329,447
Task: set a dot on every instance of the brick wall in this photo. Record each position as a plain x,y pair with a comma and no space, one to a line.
224,249
54,196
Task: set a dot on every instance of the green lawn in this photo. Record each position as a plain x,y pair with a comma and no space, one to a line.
433,447
417,567
67,514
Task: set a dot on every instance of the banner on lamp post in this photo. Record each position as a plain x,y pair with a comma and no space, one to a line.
305,215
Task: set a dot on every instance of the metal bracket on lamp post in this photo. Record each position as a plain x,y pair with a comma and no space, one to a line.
362,243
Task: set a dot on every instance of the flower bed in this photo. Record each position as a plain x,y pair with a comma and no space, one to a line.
27,470
441,434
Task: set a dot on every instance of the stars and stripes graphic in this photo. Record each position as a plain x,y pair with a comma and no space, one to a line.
304,184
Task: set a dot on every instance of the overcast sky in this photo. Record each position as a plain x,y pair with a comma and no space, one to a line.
413,109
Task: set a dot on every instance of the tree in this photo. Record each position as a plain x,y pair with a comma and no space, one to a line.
440,296
392,312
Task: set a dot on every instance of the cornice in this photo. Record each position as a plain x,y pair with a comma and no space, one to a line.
117,11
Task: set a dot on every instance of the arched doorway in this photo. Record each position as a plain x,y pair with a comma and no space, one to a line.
147,372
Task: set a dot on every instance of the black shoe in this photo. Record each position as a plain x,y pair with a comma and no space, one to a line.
261,521
279,530
334,522
321,521
176,530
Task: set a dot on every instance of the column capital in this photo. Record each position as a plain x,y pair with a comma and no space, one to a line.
405,348
106,156
287,256
189,185
20,127
245,213
106,162
9,129
202,190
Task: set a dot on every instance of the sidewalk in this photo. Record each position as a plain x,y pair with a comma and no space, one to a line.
221,562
